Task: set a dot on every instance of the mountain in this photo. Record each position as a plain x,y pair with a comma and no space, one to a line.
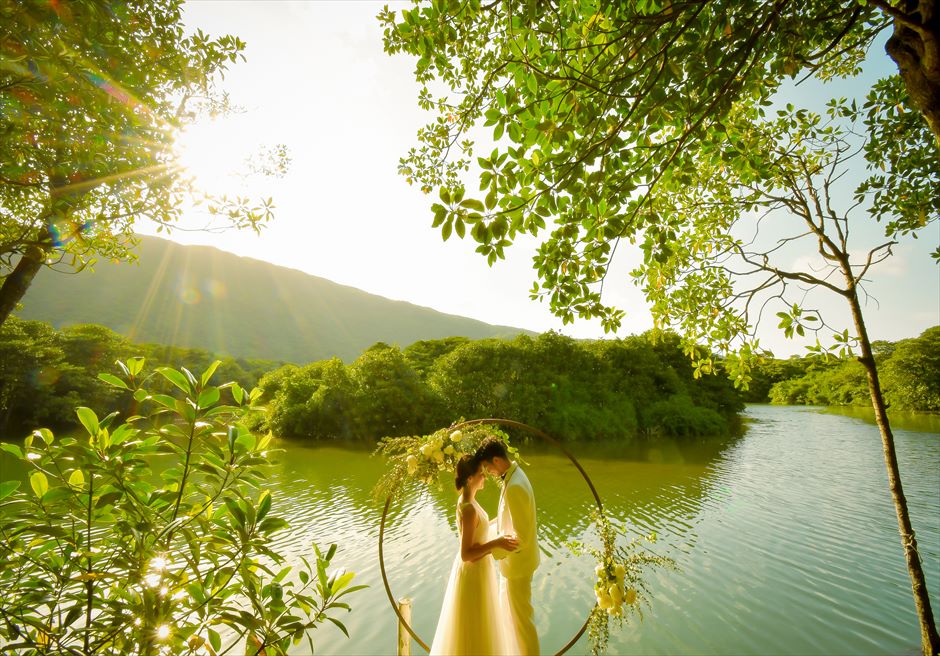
198,296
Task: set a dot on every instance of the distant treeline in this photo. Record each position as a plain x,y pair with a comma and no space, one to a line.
574,390
45,373
909,371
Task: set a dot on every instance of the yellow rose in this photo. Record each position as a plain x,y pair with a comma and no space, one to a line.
449,450
427,450
438,456
412,463
603,600
456,436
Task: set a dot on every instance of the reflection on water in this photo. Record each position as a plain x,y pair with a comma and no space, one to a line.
786,539
913,421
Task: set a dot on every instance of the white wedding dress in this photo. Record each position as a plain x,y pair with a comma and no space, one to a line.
471,622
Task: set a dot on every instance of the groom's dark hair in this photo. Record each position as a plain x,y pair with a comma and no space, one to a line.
491,448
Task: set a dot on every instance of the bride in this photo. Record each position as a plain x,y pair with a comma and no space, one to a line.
470,621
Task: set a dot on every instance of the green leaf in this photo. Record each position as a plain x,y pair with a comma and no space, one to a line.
472,204
215,639
7,488
122,432
177,378
45,434
89,419
272,524
207,374
264,505
208,397
165,400
39,483
113,380
490,200
342,581
12,449
246,440
135,365
339,624
77,479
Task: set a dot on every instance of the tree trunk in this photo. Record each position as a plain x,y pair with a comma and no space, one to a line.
916,51
930,641
15,285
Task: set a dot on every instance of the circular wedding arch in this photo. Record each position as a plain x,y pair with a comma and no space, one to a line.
509,423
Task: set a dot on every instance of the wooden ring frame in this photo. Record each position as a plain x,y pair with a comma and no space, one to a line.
474,422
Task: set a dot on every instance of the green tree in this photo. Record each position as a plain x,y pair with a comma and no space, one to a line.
30,363
594,106
155,537
390,399
92,97
422,354
912,373
713,284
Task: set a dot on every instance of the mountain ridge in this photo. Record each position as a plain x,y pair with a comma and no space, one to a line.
202,296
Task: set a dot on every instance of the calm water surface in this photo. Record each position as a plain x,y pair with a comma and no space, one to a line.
786,540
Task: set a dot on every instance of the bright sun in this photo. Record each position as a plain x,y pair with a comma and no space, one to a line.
212,152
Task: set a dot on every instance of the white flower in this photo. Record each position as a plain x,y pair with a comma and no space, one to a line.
600,571
449,450
412,463
427,450
456,436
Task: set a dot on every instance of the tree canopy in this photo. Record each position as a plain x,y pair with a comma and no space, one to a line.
92,96
595,107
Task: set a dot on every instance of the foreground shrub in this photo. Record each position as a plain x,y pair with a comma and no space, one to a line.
152,536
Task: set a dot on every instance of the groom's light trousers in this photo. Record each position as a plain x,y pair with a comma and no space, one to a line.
517,598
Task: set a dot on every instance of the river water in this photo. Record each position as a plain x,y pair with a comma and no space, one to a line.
786,539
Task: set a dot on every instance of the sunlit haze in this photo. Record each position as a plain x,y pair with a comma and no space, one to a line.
317,80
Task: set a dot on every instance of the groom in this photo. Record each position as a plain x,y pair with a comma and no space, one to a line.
516,515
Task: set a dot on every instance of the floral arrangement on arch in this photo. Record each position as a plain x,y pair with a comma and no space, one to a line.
423,458
619,588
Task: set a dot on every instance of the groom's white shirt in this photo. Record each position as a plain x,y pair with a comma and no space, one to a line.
517,515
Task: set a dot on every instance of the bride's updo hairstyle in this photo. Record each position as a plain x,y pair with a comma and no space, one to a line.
467,466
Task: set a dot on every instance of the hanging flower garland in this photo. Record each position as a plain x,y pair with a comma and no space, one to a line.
424,458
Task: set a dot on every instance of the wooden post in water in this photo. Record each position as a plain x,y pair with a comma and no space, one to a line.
404,638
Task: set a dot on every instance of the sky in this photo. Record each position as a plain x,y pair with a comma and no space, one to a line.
317,79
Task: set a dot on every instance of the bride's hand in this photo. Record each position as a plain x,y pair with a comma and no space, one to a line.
508,542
